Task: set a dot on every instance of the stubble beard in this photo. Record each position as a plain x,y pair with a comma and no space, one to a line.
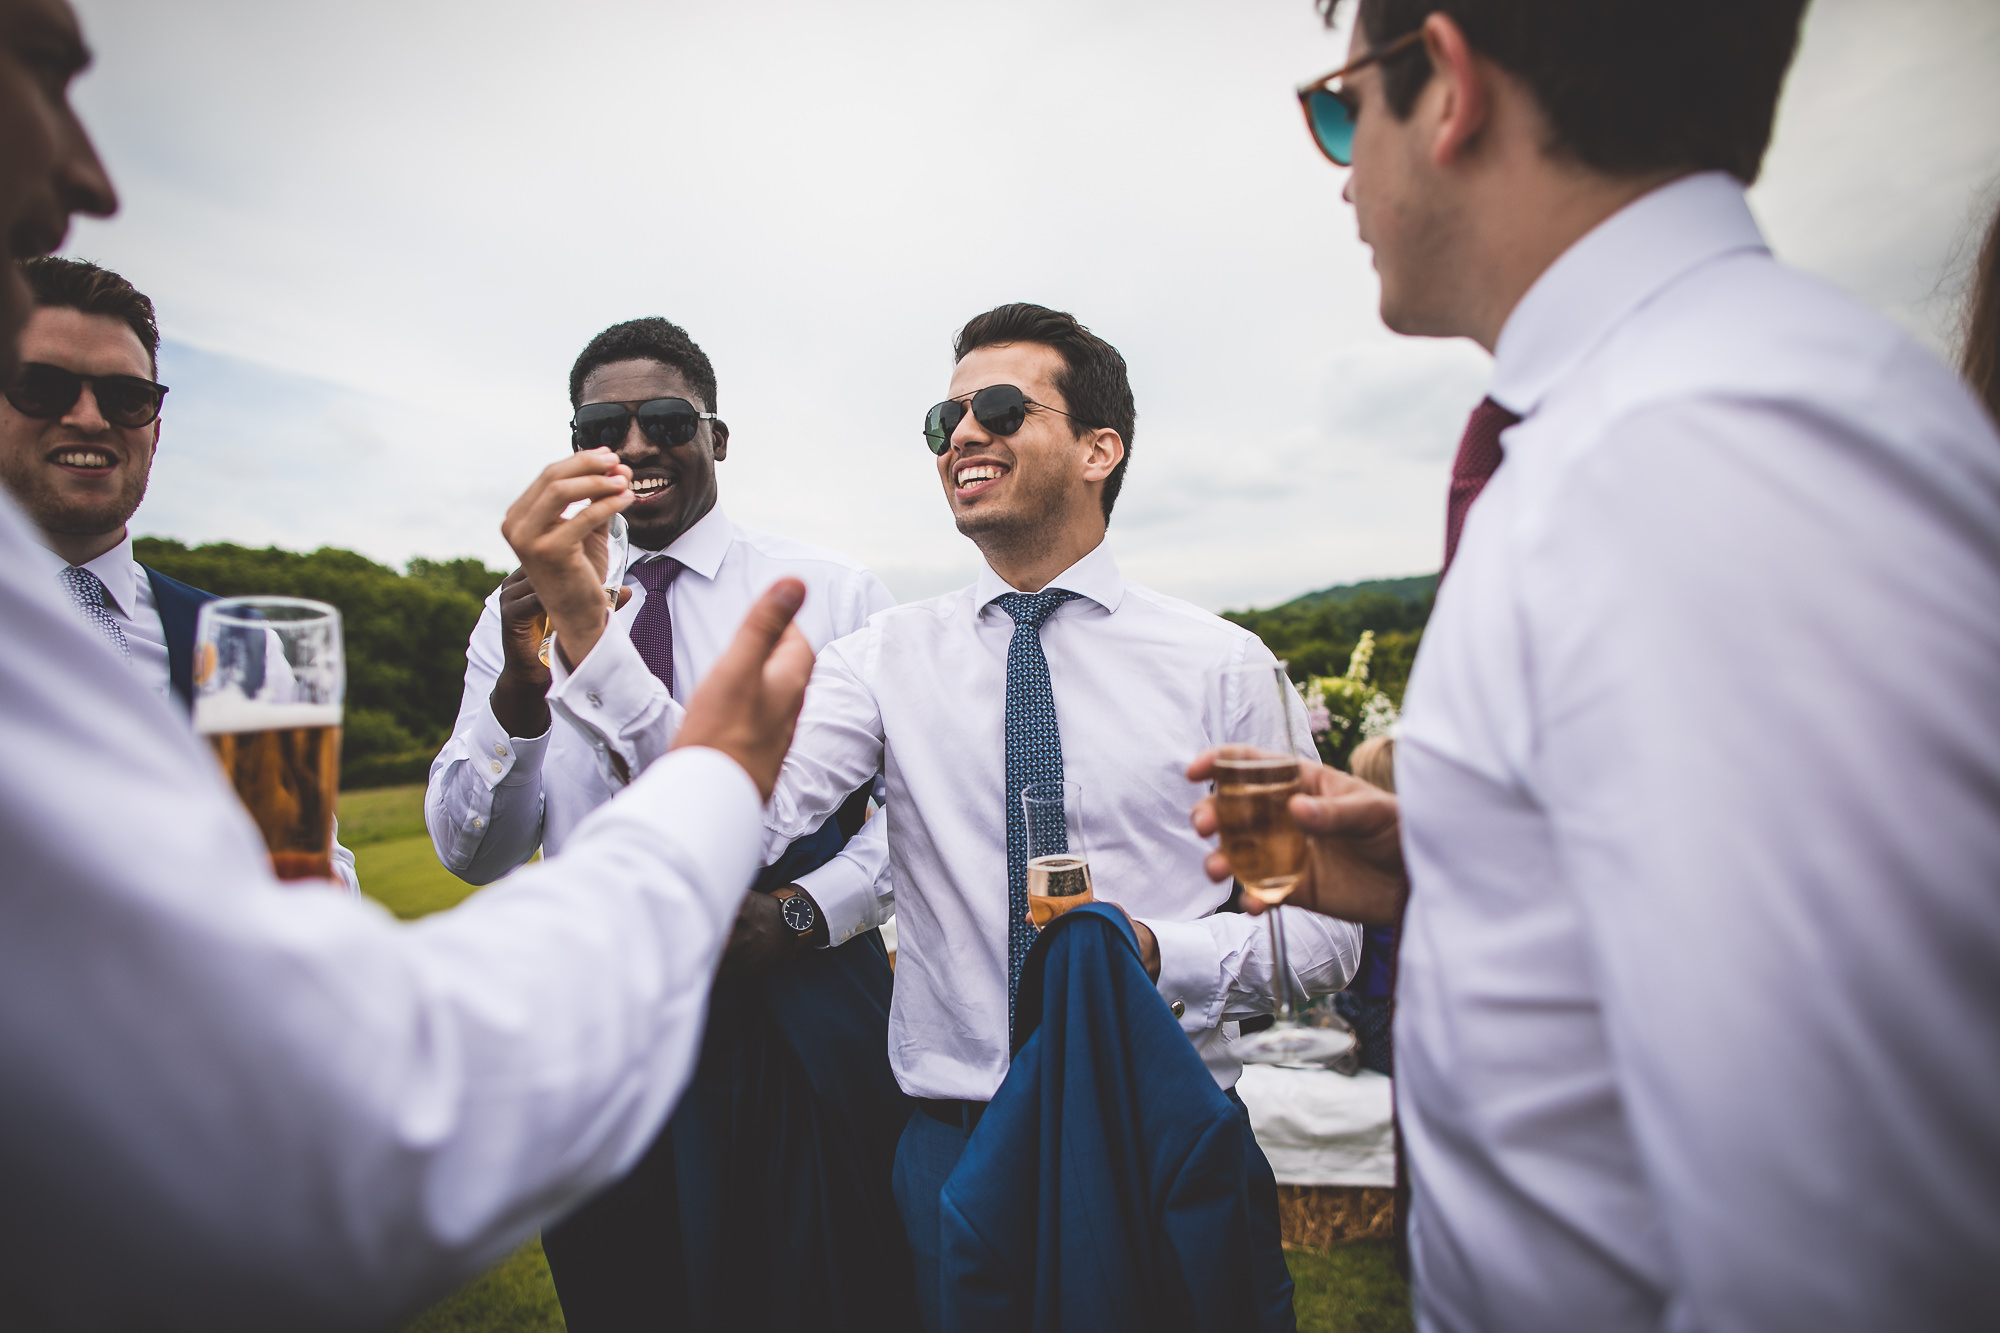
1024,531
61,515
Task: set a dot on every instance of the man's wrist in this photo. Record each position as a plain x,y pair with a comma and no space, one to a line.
520,703
816,937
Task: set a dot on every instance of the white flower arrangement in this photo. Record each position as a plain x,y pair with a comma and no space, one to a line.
1339,705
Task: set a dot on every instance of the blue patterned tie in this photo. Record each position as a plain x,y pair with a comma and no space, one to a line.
1034,754
87,591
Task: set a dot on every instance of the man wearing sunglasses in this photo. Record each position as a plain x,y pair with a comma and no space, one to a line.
79,427
783,1144
1051,667
1701,747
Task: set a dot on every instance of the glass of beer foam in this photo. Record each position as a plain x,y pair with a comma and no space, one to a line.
270,676
1262,749
1058,862
617,556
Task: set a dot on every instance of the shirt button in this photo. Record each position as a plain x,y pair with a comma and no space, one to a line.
594,699
500,750
477,822
1178,1008
496,766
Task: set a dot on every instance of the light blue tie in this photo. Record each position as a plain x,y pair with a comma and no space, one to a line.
87,591
1034,755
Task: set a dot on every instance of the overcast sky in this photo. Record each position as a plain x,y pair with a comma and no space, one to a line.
379,231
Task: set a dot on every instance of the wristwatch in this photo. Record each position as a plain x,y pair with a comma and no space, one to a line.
797,910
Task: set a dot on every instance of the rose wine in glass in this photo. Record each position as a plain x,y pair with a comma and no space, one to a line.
1058,865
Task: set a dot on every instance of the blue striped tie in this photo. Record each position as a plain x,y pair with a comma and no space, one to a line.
1034,754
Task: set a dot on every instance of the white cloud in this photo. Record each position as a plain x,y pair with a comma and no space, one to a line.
388,227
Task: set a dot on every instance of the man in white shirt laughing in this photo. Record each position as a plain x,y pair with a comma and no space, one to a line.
1051,651
1700,759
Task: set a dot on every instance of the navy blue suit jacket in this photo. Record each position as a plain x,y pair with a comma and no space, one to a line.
177,604
1106,1187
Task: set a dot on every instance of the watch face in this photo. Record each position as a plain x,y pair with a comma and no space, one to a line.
798,913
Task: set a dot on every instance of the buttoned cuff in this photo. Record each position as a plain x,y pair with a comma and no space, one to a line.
845,893
501,760
1190,972
611,696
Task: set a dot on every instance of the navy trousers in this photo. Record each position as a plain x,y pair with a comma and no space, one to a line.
929,1149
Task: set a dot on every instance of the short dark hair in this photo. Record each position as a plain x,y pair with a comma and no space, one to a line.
1092,380
77,284
1629,86
1979,357
652,339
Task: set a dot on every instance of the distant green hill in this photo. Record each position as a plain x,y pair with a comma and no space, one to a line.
1418,588
1316,633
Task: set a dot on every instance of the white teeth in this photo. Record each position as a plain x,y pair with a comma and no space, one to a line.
82,458
972,475
647,485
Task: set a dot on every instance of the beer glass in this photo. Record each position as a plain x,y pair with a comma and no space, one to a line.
617,555
1058,862
269,680
1260,722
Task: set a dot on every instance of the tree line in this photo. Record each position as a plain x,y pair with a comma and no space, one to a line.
406,633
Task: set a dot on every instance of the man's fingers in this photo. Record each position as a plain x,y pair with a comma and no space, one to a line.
762,629
1203,767
791,664
1217,866
1330,815
1203,817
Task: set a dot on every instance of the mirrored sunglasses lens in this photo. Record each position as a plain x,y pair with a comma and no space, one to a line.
1332,125
1001,408
939,424
669,421
600,426
127,401
44,391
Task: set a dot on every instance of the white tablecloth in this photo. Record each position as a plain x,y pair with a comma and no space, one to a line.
1321,1128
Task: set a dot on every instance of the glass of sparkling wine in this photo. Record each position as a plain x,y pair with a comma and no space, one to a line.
1264,742
618,553
270,676
1058,862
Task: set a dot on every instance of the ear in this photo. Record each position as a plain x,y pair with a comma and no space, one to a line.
1462,78
720,434
1103,452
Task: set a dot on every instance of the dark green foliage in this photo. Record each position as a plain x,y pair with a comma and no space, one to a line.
1316,633
405,638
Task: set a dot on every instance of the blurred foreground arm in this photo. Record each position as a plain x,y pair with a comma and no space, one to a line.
234,1106
1354,869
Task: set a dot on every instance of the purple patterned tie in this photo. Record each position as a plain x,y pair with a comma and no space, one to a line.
1479,454
653,627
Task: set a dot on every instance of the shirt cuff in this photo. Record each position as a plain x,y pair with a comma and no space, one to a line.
500,759
1190,972
712,808
845,894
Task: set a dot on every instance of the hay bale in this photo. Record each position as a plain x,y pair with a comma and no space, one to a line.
1322,1215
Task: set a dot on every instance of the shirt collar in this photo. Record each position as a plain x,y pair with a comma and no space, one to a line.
702,547
1614,269
1095,576
115,569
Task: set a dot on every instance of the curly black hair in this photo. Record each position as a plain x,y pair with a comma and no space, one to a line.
651,339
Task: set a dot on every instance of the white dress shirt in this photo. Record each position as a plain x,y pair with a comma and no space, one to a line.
921,694
495,798
131,604
227,1107
1698,1021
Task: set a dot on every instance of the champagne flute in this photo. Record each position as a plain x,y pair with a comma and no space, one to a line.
270,677
618,554
1260,721
1058,862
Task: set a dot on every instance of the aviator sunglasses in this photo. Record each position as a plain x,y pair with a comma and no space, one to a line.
1000,408
46,391
665,421
1330,111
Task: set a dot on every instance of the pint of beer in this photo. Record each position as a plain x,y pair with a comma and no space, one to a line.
1058,866
270,676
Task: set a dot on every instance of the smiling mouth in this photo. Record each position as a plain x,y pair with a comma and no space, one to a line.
89,459
650,488
972,477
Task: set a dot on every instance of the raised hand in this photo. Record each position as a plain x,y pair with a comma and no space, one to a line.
749,701
565,558
1354,865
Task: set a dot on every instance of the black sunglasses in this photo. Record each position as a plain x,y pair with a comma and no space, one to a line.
665,421
1330,111
46,391
1001,408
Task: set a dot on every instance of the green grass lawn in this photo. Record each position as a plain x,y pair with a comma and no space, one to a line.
1348,1289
